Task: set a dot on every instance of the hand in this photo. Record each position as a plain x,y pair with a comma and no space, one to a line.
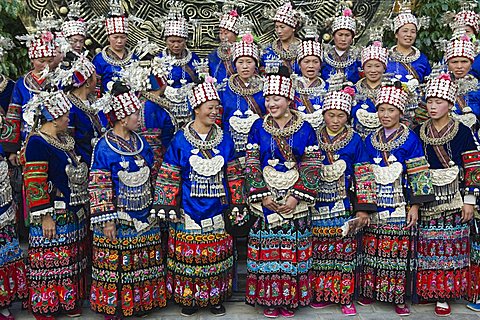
467,212
13,158
412,216
268,203
289,206
364,218
110,231
48,227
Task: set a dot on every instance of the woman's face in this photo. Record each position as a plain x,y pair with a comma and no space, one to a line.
310,67
406,35
117,41
459,66
132,122
373,70
77,42
227,35
343,39
277,106
207,112
176,45
389,116
245,67
39,64
62,122
284,32
335,119
438,108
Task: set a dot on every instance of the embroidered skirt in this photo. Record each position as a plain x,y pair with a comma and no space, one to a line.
128,276
278,264
474,286
334,262
13,282
199,267
56,267
386,262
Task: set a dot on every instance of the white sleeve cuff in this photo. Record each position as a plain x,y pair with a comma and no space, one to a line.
470,199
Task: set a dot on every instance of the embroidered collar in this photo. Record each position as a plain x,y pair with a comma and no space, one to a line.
398,140
316,88
81,105
214,137
255,85
343,140
365,90
426,136
290,128
178,61
64,142
289,54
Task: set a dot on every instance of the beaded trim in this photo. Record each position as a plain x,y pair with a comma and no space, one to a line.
338,64
201,144
290,53
364,89
256,85
178,61
437,141
115,62
67,145
287,131
390,145
81,105
398,57
124,153
310,91
337,145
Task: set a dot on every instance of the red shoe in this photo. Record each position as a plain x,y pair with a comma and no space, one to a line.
270,313
286,313
365,301
349,309
442,312
321,305
402,311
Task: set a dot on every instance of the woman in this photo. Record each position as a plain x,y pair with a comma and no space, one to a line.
242,99
127,273
78,78
74,28
471,21
41,51
220,60
198,181
341,58
284,49
310,88
443,244
183,72
398,160
335,255
282,154
459,55
405,59
56,194
364,113
109,62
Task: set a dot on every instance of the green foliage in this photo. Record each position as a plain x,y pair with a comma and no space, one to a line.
436,30
15,62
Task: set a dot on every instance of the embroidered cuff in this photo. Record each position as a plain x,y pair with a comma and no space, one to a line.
419,178
101,192
35,179
470,199
236,182
471,162
365,187
254,183
167,185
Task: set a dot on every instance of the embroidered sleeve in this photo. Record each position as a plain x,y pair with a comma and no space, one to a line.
471,163
35,179
309,172
100,187
255,186
10,132
236,182
365,188
167,189
419,180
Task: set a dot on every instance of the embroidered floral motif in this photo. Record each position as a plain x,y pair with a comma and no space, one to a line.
101,192
419,177
36,185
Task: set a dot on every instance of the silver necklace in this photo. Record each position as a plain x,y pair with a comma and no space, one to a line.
390,145
201,144
338,64
336,145
437,141
300,87
287,131
124,153
178,61
399,57
290,53
256,85
67,145
114,61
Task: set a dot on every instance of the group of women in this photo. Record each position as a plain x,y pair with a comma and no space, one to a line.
355,177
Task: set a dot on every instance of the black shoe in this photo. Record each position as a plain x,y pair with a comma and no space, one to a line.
189,311
218,310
